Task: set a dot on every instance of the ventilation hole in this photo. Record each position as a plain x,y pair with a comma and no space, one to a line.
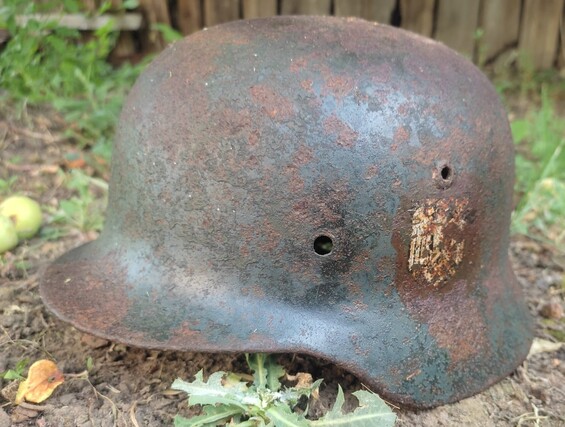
443,175
323,245
446,173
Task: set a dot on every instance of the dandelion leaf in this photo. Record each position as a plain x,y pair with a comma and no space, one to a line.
281,416
372,412
211,392
213,416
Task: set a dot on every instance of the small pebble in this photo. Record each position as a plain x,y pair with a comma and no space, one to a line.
552,310
93,342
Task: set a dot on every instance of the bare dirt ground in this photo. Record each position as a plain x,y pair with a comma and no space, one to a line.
128,387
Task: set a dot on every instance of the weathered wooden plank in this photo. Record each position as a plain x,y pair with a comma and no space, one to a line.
89,5
115,5
417,16
373,10
500,22
155,11
124,50
127,21
259,8
305,7
539,31
456,24
189,16
218,11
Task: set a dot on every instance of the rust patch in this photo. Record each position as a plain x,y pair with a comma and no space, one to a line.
357,346
339,86
346,137
295,181
273,104
401,136
434,252
303,155
454,334
318,214
254,138
270,238
97,313
234,122
371,172
354,289
255,291
298,64
188,332
244,251
382,74
403,110
307,85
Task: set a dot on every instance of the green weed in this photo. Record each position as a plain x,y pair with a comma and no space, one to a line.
540,173
514,75
228,400
7,185
17,372
84,210
44,63
169,34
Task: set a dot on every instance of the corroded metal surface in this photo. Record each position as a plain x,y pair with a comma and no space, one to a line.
318,185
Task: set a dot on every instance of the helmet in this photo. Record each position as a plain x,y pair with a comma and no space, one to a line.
318,185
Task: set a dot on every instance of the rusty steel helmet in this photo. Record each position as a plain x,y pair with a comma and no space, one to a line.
319,185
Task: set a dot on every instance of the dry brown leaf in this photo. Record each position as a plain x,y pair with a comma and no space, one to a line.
303,379
42,379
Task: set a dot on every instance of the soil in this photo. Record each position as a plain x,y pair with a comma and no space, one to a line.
130,387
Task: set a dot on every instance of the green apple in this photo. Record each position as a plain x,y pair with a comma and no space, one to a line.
25,214
8,235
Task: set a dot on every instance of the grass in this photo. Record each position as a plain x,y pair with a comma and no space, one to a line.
539,136
83,211
7,185
47,64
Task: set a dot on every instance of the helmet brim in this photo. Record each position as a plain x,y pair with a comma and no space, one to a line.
121,296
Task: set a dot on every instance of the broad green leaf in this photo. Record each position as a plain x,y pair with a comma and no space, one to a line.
233,381
256,363
253,422
16,373
281,416
169,34
266,372
211,392
372,412
520,129
316,384
274,372
130,4
213,415
336,410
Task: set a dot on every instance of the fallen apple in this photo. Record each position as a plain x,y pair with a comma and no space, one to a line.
8,234
25,213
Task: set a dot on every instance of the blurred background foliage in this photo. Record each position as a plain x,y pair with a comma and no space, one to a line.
45,64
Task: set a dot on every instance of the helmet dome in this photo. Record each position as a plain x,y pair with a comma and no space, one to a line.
310,184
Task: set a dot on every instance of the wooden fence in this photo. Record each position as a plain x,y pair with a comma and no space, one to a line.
480,29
